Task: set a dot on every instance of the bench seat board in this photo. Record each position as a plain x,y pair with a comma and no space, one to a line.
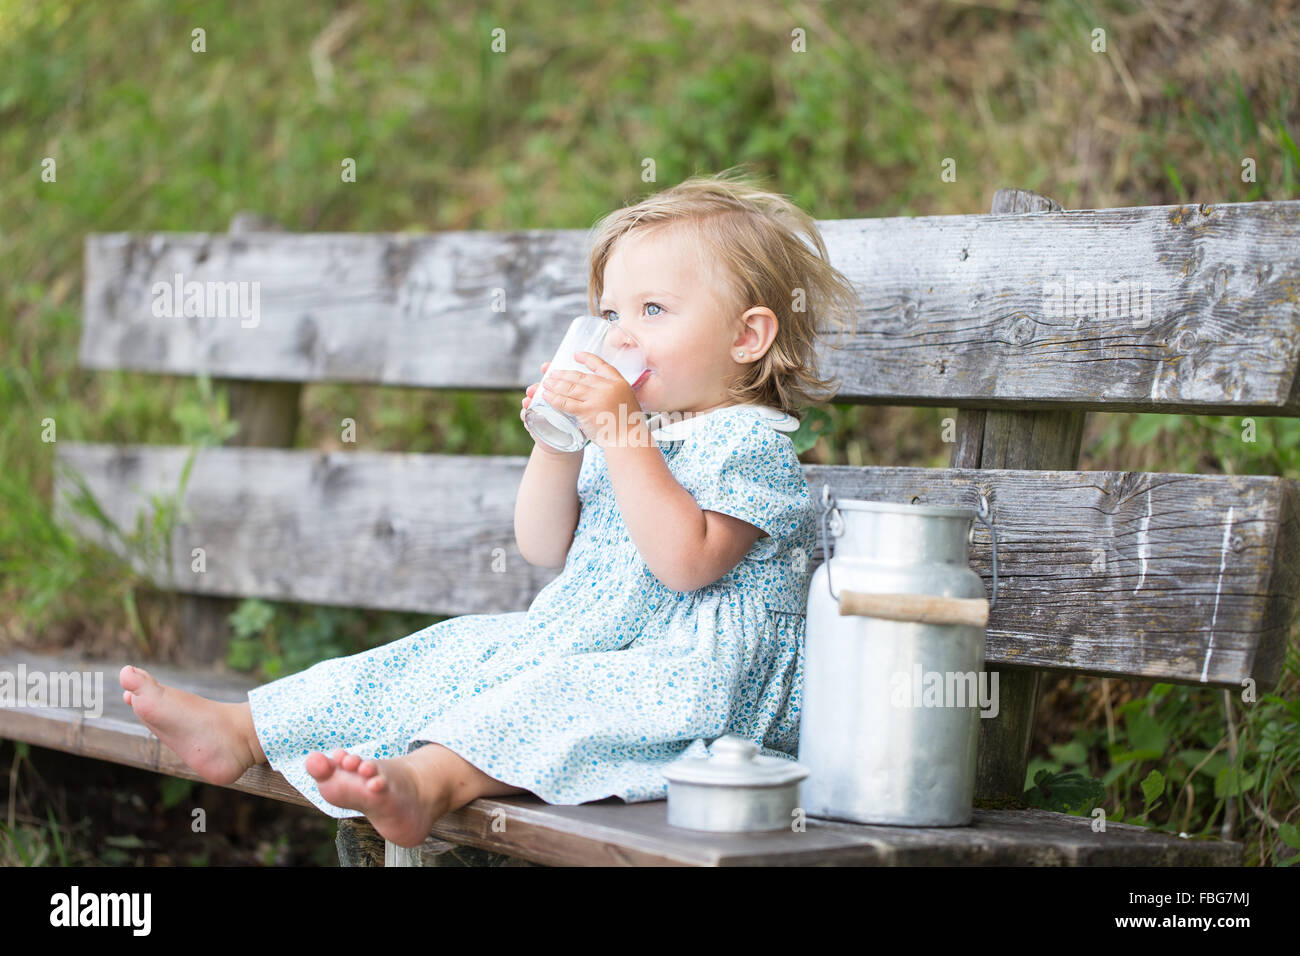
116,734
613,833
609,832
1199,309
1176,577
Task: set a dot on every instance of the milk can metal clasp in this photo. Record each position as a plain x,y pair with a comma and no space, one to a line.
837,528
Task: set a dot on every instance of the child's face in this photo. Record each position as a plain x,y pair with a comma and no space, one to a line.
657,287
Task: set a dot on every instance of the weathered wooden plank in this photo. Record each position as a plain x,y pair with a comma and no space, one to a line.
355,529
1178,577
611,833
396,309
1175,577
111,731
955,310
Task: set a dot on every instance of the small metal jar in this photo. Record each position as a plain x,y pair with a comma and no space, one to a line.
734,789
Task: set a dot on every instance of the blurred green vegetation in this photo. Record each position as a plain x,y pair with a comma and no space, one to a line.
149,135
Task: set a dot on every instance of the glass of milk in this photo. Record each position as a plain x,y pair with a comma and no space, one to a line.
586,333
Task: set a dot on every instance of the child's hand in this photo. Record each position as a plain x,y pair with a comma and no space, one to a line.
528,392
601,400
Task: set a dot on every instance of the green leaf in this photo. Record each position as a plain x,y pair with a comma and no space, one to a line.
1145,734
1074,753
1119,756
816,421
1231,782
1290,834
251,617
1035,765
1113,774
1064,792
174,790
242,654
1153,787
1215,764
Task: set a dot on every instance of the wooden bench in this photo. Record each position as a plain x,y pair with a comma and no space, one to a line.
1182,578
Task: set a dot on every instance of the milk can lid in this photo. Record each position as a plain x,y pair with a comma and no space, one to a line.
735,761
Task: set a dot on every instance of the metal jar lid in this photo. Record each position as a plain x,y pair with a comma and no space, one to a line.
735,761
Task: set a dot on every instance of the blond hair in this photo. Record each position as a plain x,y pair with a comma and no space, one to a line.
757,240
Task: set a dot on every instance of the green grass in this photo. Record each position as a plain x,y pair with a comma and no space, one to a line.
446,134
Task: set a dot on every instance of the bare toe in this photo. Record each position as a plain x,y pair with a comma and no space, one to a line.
135,679
319,766
389,796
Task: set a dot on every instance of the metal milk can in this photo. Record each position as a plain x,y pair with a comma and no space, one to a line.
894,654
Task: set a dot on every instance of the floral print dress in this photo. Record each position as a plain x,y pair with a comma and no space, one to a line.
609,675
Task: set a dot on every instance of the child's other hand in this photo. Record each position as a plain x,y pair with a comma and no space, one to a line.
529,392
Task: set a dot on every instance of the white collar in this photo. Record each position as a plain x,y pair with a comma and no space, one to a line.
678,428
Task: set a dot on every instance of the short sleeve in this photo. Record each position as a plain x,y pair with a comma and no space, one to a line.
741,466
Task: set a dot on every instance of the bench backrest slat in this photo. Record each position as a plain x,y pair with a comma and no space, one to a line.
1188,578
998,311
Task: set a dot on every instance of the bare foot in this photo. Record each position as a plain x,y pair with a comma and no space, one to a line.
395,797
200,731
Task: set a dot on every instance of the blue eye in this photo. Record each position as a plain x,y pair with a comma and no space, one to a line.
608,312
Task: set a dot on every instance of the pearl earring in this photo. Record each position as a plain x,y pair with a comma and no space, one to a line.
742,353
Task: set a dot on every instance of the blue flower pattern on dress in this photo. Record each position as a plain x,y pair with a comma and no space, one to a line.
609,675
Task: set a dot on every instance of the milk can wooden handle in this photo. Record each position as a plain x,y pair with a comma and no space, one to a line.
916,608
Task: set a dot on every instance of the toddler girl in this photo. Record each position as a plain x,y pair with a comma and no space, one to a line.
685,539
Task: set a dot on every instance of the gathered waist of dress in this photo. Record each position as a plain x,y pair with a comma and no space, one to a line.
774,599
777,585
